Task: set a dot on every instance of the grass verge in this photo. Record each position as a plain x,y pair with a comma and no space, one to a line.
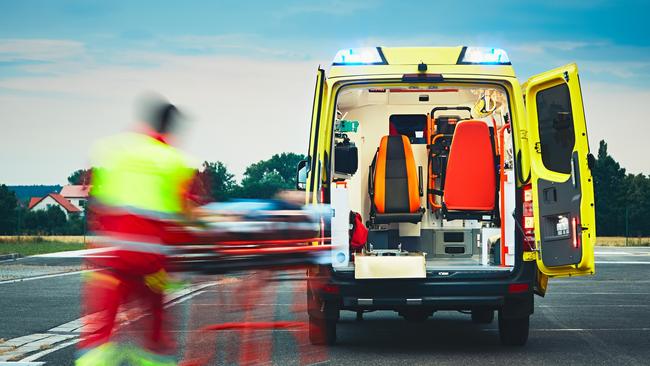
619,241
25,248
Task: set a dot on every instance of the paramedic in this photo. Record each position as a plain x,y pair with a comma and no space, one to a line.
138,203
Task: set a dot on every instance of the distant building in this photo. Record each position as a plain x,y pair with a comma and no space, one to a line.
54,199
76,194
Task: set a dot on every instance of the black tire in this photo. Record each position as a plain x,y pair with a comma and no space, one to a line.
482,316
322,331
513,331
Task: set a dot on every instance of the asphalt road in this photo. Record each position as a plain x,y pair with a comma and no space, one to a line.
599,320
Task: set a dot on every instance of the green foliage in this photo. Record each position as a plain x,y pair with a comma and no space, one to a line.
637,195
33,247
81,176
76,224
261,180
51,221
617,192
266,177
215,181
8,204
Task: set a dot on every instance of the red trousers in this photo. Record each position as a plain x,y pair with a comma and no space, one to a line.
105,293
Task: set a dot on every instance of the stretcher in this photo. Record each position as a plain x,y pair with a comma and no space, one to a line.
254,234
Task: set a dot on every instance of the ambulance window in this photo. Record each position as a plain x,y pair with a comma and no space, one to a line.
556,135
409,125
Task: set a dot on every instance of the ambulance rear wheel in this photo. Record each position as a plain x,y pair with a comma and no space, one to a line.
322,331
513,331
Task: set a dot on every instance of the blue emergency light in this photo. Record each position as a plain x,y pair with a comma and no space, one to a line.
359,56
483,56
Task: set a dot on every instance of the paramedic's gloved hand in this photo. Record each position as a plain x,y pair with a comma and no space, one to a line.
157,281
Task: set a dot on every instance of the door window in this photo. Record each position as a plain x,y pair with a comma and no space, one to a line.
556,134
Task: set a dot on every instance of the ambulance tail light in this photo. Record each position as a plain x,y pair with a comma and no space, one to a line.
483,56
528,219
575,235
359,56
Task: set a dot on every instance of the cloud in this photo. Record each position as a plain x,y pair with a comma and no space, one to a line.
39,49
616,113
620,69
243,110
540,47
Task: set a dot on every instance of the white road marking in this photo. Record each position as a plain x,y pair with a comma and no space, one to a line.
35,342
45,276
580,330
598,293
622,262
75,253
21,363
596,306
580,281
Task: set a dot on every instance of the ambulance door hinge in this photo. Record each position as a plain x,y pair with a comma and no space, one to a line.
538,147
566,76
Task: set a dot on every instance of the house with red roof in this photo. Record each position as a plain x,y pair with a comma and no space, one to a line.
76,194
55,199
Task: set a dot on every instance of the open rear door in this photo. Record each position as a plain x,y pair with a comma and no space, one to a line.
315,135
565,230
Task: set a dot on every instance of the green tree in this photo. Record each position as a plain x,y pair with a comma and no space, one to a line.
50,221
75,224
215,181
55,220
637,195
35,222
81,176
610,188
266,177
8,205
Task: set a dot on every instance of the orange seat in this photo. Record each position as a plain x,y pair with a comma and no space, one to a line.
470,179
393,183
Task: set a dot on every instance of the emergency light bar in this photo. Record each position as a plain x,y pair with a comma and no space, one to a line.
359,56
483,56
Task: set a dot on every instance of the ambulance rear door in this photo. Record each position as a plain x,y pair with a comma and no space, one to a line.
563,194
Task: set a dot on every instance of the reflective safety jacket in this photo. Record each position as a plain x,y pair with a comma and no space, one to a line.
138,191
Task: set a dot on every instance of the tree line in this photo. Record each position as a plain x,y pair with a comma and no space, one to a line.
213,182
622,199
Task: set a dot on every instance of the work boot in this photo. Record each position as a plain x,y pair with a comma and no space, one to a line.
142,357
106,354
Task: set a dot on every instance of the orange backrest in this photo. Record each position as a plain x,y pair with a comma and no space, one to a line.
470,180
396,179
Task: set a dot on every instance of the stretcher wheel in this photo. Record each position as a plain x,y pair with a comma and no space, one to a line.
322,331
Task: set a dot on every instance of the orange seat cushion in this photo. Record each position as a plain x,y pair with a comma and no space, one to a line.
470,180
396,179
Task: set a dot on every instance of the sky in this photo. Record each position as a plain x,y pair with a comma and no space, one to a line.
244,70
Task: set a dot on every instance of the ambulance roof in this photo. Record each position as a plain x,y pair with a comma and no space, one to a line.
375,61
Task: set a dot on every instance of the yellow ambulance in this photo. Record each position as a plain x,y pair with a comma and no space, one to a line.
452,185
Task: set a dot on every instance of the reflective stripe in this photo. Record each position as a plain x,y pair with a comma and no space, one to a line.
143,212
134,246
260,226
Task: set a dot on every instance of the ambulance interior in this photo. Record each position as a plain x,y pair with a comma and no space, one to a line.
434,174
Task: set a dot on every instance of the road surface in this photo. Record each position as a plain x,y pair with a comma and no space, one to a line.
599,320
